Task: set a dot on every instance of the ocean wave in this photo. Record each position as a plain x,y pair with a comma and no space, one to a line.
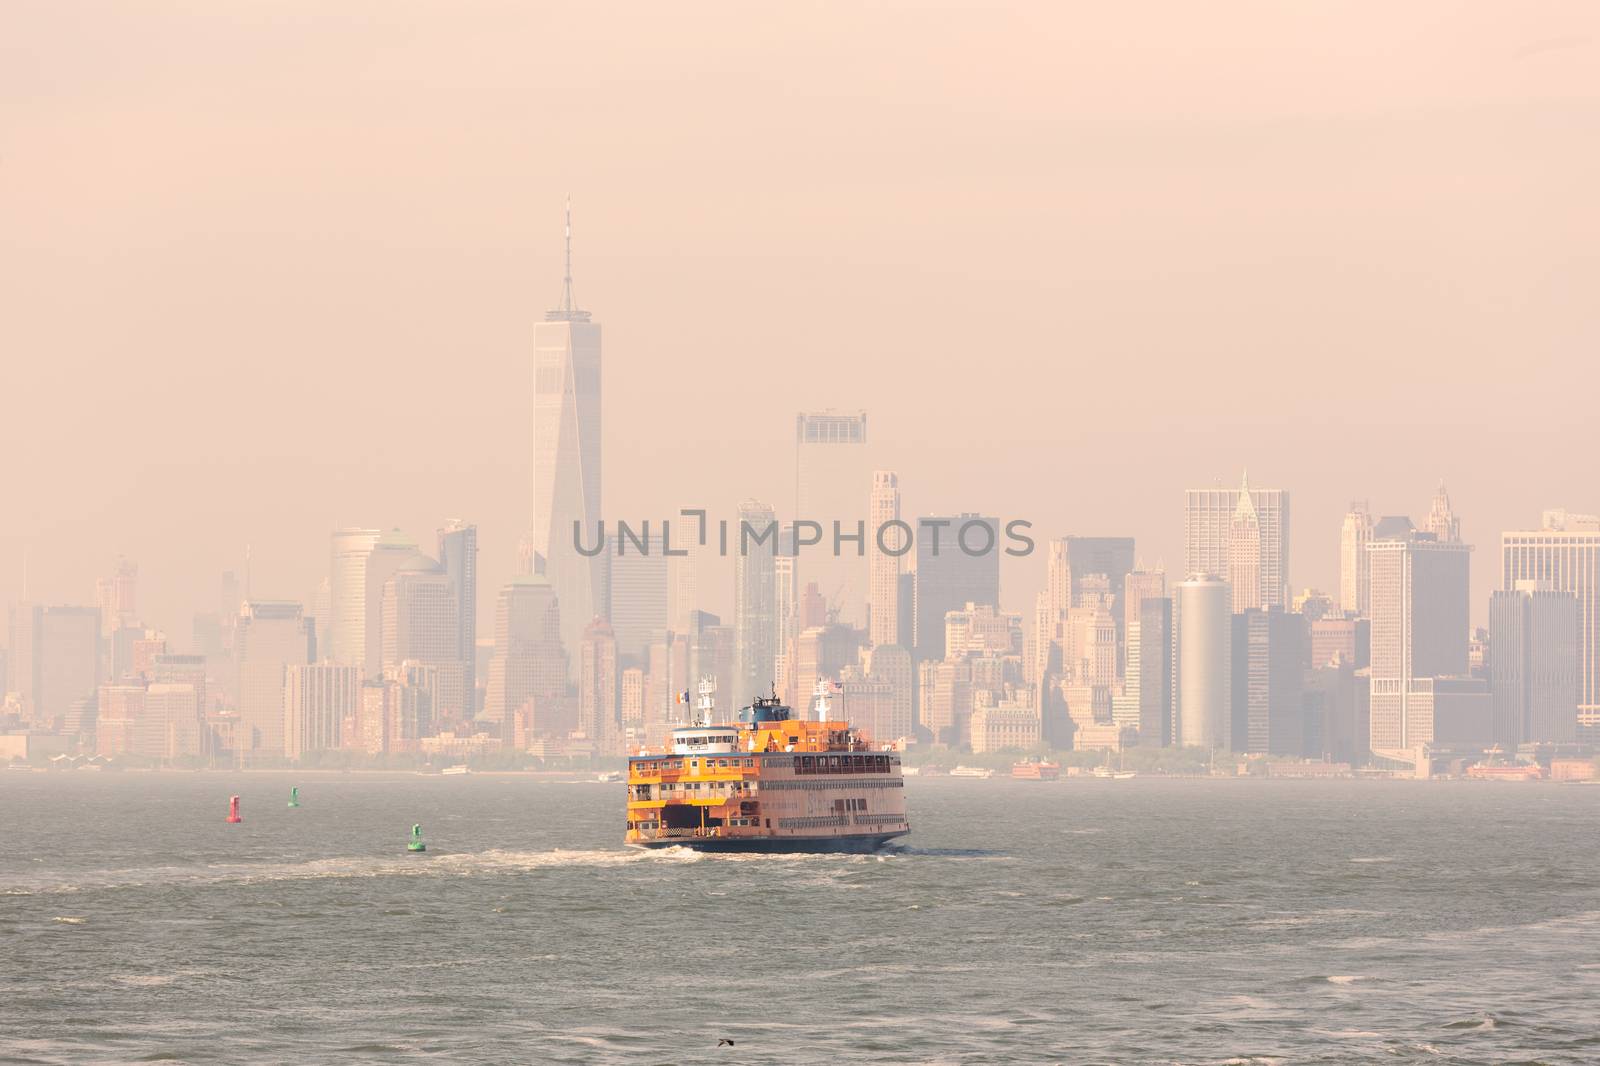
461,864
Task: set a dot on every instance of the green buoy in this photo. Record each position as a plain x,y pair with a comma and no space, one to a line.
416,840
294,797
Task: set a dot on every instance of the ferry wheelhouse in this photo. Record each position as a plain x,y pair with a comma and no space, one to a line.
770,782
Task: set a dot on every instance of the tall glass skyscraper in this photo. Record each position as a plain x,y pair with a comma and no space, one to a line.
754,609
948,578
347,629
458,555
566,457
1565,555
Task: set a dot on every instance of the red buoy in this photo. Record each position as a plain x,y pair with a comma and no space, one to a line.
233,809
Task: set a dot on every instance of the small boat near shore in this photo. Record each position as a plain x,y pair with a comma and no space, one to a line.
972,771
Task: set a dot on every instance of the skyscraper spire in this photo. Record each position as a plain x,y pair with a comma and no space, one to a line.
1442,521
1246,505
566,280
568,311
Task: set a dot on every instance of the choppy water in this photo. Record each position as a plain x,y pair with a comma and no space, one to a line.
1125,921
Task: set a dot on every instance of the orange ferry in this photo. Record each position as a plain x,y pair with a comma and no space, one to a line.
1036,770
772,782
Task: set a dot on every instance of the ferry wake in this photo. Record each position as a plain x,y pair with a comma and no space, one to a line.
772,782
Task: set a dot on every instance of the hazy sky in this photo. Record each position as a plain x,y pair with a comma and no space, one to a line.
266,269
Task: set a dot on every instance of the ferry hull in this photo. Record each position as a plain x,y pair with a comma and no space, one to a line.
854,844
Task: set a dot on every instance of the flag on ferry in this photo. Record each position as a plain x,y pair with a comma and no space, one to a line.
683,697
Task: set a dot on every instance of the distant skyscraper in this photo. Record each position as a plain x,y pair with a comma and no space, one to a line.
1086,556
597,684
1566,554
630,697
271,636
317,700
1267,688
949,578
754,610
639,594
458,555
369,733
683,587
1442,522
66,660
665,680
1138,586
347,628
884,567
120,709
1533,664
821,653
169,727
1045,651
833,478
1345,640
566,456
1205,663
1354,582
1208,537
890,665
420,626
528,666
1150,668
182,670
1420,623
712,654
785,608
413,702
945,698
1244,555
390,553
1057,576
117,598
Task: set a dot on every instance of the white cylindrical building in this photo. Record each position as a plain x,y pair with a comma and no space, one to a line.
1205,662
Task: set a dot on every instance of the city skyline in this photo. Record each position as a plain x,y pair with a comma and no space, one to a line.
1153,241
